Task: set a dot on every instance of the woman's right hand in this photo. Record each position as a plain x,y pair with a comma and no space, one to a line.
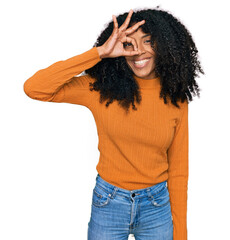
113,47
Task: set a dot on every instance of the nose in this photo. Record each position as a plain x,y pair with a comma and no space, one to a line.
141,49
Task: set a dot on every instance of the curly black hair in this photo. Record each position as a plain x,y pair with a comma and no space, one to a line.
176,61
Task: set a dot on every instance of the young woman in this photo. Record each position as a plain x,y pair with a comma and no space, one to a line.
146,57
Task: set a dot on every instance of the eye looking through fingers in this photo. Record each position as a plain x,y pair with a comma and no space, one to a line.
127,44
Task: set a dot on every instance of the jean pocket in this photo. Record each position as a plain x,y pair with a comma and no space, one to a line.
100,196
160,198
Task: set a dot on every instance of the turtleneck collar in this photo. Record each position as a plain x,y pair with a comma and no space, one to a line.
148,83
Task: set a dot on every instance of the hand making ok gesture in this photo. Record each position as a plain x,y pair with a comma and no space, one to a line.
113,47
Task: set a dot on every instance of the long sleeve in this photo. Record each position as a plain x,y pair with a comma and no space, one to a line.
178,159
57,83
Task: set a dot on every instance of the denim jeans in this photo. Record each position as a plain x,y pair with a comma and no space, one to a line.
117,212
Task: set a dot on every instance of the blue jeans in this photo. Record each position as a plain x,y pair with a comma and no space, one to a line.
116,213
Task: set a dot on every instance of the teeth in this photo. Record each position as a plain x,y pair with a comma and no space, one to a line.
141,62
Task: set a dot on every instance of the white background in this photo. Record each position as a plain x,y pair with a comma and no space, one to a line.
49,152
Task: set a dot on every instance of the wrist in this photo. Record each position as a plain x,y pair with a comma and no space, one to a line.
100,51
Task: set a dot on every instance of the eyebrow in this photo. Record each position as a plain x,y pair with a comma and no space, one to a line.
145,35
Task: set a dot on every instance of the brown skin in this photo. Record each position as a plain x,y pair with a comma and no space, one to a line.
144,45
113,47
136,47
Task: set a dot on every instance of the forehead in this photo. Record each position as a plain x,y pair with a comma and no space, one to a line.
138,33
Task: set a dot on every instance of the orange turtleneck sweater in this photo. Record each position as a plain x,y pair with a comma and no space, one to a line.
137,150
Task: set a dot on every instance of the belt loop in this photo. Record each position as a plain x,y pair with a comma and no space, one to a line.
149,193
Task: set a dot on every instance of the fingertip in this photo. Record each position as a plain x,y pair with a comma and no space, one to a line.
135,53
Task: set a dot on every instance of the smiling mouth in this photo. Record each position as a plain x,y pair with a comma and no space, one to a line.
141,63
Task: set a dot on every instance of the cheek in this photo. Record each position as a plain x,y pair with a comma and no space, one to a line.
129,63
153,60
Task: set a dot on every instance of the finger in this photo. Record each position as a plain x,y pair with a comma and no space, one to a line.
134,27
115,24
131,40
131,53
127,20
115,21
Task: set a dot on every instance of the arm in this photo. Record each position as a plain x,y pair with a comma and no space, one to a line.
178,175
57,83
